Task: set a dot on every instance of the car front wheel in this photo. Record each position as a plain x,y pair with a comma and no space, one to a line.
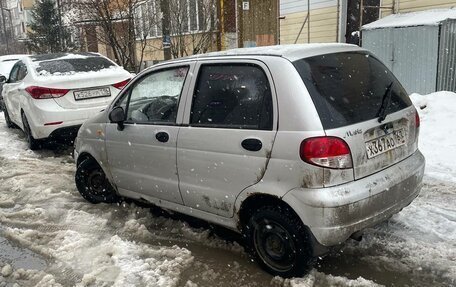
92,183
279,241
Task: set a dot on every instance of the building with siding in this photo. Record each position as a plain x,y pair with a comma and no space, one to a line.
235,23
339,20
12,32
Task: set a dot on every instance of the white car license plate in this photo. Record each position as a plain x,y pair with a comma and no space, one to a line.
385,143
90,94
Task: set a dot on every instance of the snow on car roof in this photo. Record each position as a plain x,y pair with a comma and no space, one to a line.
62,56
290,52
11,57
71,64
422,18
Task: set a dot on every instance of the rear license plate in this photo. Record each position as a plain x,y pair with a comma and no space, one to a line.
385,143
91,94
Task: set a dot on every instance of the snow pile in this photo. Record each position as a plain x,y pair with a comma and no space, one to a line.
438,133
315,278
111,70
72,56
41,210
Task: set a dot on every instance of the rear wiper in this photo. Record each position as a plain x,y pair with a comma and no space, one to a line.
386,101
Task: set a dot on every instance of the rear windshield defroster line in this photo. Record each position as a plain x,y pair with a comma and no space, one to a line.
348,87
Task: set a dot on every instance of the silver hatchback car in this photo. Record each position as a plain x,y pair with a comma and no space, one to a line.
297,147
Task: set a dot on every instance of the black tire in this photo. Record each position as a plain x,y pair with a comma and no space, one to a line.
92,183
9,123
33,143
279,241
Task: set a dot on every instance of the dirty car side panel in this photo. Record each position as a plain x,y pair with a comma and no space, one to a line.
213,167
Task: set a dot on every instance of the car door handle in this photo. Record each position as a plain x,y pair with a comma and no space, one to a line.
162,137
252,144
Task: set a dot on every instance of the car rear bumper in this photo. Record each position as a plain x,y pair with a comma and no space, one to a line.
334,214
41,114
65,133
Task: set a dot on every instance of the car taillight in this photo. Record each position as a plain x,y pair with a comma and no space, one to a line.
45,93
121,85
330,152
417,120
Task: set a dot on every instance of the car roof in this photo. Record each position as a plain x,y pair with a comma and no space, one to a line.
290,52
11,57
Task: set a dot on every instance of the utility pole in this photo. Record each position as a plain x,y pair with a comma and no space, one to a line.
4,28
164,6
221,25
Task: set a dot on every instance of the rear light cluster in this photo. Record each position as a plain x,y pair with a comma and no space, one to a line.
329,152
121,85
45,93
49,93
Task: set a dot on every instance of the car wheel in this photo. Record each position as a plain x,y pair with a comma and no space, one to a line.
8,121
32,142
279,241
92,183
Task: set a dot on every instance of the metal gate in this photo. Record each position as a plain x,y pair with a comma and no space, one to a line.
410,52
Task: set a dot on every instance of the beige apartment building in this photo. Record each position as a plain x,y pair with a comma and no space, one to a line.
338,20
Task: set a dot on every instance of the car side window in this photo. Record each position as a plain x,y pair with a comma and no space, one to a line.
234,96
22,72
155,98
14,73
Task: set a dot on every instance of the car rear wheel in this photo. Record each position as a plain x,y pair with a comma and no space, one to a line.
279,241
33,143
8,121
92,183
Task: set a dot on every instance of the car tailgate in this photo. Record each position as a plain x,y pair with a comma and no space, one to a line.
359,100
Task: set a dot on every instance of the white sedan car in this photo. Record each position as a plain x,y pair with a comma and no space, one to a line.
50,96
6,64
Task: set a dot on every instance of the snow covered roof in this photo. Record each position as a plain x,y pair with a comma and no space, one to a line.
62,56
12,57
290,52
422,18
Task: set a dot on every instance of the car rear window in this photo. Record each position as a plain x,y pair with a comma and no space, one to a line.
349,87
75,65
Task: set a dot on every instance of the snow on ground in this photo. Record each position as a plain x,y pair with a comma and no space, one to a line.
105,245
97,245
438,133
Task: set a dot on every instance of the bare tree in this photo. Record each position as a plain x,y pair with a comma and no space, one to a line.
193,26
148,25
115,22
132,27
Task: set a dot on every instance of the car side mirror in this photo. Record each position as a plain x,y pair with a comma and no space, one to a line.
117,115
3,79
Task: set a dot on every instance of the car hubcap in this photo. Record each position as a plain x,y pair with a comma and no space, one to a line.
96,181
275,246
